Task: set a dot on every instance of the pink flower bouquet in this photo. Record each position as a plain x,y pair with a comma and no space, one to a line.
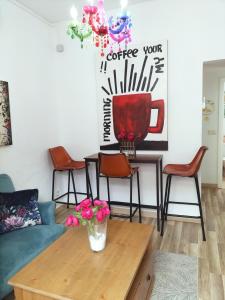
124,136
88,213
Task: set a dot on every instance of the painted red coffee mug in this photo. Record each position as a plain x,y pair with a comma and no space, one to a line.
132,115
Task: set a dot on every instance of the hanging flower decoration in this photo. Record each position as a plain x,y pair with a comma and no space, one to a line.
123,136
97,19
131,137
77,29
105,31
120,30
81,31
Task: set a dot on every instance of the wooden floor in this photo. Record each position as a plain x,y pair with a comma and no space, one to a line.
186,238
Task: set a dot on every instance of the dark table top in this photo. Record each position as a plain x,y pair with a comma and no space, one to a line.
140,158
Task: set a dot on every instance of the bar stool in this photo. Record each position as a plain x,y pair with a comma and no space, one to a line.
117,166
62,162
184,170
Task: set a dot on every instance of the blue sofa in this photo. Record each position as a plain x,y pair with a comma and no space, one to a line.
19,247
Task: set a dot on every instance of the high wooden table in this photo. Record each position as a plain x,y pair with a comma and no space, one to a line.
150,159
68,269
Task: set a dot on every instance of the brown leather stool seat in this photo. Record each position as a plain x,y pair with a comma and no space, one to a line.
75,165
184,170
63,162
179,170
117,166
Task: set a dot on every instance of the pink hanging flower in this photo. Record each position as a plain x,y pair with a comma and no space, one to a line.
87,213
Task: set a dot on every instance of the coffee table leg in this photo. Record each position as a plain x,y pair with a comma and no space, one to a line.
161,187
157,196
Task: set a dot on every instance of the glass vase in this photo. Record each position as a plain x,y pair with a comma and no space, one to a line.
97,235
129,148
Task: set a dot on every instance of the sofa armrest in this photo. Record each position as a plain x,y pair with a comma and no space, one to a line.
47,211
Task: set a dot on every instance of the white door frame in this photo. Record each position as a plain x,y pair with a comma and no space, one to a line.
220,133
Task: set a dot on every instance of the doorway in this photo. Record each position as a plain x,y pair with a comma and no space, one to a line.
213,123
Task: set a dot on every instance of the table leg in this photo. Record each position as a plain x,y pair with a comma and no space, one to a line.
157,196
161,187
97,179
87,185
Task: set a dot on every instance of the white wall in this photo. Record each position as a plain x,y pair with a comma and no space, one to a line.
26,63
212,75
192,39
40,79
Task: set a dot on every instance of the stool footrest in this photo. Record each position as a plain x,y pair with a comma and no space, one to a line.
125,216
63,195
120,216
185,203
125,177
183,216
61,202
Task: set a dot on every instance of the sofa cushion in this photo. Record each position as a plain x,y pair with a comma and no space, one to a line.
6,184
18,210
47,211
21,246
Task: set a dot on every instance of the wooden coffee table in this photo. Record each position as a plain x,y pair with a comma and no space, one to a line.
68,269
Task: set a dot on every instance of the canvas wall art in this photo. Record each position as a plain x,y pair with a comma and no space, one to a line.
5,120
132,97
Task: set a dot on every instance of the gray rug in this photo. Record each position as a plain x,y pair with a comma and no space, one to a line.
175,277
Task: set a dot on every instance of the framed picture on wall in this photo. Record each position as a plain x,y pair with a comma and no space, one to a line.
132,97
5,119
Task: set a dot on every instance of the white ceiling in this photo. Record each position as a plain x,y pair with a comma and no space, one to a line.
59,10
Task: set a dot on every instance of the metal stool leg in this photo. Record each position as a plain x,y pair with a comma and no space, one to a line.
53,184
74,188
108,192
164,207
98,183
89,185
200,207
68,193
168,196
131,195
139,198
